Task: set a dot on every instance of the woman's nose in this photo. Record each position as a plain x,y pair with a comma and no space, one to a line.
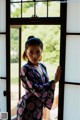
34,55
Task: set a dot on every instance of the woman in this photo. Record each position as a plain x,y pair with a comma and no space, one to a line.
39,91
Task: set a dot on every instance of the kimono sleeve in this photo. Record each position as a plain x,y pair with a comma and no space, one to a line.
45,92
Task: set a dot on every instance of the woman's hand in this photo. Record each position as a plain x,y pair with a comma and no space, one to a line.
57,74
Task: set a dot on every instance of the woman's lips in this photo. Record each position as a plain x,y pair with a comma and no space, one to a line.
34,59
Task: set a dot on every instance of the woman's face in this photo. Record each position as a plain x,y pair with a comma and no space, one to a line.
34,54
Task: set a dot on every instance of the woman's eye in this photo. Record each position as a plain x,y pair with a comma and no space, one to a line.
30,52
38,52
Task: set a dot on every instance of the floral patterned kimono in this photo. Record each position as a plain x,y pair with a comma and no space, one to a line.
39,93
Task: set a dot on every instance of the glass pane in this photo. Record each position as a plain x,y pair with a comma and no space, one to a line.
15,0
41,0
14,65
16,10
27,9
36,0
72,71
41,9
54,9
73,25
2,56
27,0
71,102
51,53
2,16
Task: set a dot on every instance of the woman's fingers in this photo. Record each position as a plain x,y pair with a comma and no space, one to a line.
58,74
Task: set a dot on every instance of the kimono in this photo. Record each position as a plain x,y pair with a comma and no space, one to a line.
39,93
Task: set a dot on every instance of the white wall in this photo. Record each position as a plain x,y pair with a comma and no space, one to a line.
72,63
2,54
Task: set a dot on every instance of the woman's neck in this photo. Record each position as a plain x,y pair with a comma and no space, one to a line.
30,63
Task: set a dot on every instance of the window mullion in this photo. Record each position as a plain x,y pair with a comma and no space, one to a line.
47,8
34,8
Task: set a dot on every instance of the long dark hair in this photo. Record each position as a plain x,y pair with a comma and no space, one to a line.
30,42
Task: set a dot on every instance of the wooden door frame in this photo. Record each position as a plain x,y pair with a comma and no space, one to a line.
38,21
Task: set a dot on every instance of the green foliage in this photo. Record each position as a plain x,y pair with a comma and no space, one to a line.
14,45
50,35
16,10
14,59
26,6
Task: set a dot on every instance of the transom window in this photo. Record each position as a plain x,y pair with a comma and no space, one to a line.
34,8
